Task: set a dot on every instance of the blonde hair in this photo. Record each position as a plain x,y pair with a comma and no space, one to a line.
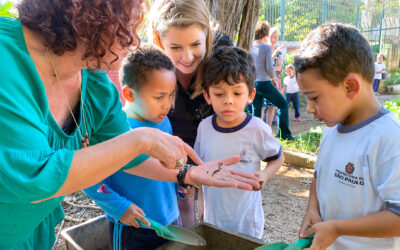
290,66
381,54
275,30
165,14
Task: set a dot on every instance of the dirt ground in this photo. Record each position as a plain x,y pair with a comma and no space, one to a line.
284,196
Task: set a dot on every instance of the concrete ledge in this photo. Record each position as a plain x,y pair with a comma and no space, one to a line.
299,159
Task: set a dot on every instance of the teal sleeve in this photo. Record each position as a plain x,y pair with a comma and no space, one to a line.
115,122
30,175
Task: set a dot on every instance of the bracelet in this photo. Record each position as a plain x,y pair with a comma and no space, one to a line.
182,174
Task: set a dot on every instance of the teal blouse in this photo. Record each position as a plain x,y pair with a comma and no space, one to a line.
35,153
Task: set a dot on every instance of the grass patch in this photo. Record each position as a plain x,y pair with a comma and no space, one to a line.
305,143
393,106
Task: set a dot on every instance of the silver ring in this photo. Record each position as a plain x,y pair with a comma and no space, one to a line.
180,163
227,178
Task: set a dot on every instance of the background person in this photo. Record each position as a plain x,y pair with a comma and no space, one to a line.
291,90
265,85
379,70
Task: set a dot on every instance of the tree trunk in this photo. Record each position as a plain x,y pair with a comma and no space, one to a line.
236,17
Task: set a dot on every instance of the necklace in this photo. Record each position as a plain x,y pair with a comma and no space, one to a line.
84,137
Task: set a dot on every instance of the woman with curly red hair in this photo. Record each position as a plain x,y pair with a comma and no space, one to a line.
63,128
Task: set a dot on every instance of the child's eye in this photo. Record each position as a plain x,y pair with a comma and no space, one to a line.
313,98
238,93
217,94
158,97
195,44
175,48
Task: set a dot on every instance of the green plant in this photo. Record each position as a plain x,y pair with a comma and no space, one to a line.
307,142
393,106
5,8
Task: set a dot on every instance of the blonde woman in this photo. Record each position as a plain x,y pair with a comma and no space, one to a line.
182,29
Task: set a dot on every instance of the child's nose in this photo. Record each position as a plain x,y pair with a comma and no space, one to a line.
310,108
228,99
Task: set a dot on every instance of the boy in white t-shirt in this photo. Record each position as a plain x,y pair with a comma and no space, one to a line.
354,200
379,69
228,85
292,90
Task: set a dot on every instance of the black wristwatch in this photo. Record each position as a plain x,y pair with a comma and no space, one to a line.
181,176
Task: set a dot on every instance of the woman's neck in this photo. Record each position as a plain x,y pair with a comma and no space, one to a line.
68,65
184,79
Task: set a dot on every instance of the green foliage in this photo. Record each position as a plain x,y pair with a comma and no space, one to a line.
5,8
307,142
393,106
289,58
394,78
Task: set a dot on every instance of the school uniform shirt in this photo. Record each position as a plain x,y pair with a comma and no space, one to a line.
291,84
156,198
358,174
234,209
379,67
35,153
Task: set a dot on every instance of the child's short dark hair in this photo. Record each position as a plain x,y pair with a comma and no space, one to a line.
229,64
335,50
139,63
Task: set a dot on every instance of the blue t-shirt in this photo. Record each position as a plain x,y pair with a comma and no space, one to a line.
156,198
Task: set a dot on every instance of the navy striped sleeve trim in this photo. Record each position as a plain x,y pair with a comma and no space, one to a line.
275,157
394,208
315,174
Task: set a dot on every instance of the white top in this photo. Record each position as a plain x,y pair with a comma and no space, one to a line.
379,67
234,209
291,84
358,174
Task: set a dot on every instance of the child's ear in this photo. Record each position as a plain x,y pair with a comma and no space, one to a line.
208,100
128,94
251,96
352,84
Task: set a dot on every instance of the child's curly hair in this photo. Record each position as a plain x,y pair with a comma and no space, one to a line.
229,64
141,62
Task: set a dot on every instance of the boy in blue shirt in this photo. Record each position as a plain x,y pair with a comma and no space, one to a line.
149,83
354,200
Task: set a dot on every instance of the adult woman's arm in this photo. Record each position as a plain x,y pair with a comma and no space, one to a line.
93,164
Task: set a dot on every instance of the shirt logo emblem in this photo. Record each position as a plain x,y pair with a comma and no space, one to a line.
350,168
244,158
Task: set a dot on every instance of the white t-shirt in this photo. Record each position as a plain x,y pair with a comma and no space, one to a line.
379,67
291,84
358,174
234,209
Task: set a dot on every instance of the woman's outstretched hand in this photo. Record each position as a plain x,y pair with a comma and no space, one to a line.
166,148
216,173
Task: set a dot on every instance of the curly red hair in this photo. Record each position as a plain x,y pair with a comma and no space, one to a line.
98,24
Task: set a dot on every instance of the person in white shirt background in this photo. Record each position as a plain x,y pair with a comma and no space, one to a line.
379,69
291,89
